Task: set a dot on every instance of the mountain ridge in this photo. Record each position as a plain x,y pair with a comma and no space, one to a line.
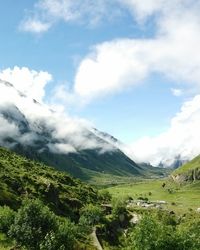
40,137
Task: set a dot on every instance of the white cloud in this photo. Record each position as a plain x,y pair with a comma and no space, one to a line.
111,67
173,52
29,82
34,25
177,92
48,12
61,148
67,134
180,140
144,9
7,128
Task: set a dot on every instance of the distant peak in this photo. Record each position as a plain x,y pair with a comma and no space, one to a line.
8,84
20,93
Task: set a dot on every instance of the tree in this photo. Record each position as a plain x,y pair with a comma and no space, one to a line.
32,223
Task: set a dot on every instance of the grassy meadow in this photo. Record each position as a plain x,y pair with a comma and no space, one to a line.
179,198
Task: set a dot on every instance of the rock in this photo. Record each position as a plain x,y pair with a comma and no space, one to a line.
135,219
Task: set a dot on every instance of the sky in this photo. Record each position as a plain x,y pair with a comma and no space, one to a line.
130,67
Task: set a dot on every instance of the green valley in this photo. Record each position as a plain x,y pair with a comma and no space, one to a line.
45,209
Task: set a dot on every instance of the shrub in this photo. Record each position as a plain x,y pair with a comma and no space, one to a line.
190,232
6,219
32,222
62,239
119,207
90,216
150,234
105,196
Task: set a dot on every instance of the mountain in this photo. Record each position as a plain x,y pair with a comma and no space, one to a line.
69,144
188,172
21,178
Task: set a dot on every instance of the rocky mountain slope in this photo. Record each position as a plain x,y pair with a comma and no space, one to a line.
188,172
34,130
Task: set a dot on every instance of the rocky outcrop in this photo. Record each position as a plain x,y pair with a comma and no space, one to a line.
191,175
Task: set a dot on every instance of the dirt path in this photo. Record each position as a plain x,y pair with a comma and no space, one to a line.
95,240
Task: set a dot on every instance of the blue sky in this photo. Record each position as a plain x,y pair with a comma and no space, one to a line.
142,110
128,66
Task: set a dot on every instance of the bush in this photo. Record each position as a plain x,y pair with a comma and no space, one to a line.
32,223
105,196
6,219
62,239
161,231
150,234
90,216
190,233
119,207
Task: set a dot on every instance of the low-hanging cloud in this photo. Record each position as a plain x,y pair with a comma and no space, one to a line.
181,140
30,82
27,121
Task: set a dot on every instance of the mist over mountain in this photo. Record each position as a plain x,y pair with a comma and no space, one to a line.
69,144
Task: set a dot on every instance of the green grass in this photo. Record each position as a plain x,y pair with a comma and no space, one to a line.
184,197
21,178
101,179
194,164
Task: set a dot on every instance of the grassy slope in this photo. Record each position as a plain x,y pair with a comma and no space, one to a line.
94,168
185,197
194,164
21,178
77,164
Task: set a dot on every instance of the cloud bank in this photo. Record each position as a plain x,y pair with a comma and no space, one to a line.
28,122
30,82
181,140
172,52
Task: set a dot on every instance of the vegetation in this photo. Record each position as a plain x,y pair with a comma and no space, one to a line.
155,232
89,165
41,208
84,165
34,226
44,209
21,178
179,198
188,172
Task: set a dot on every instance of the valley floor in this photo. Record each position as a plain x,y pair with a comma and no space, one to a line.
178,198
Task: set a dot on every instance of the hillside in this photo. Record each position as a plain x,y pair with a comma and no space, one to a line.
188,172
21,178
34,131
